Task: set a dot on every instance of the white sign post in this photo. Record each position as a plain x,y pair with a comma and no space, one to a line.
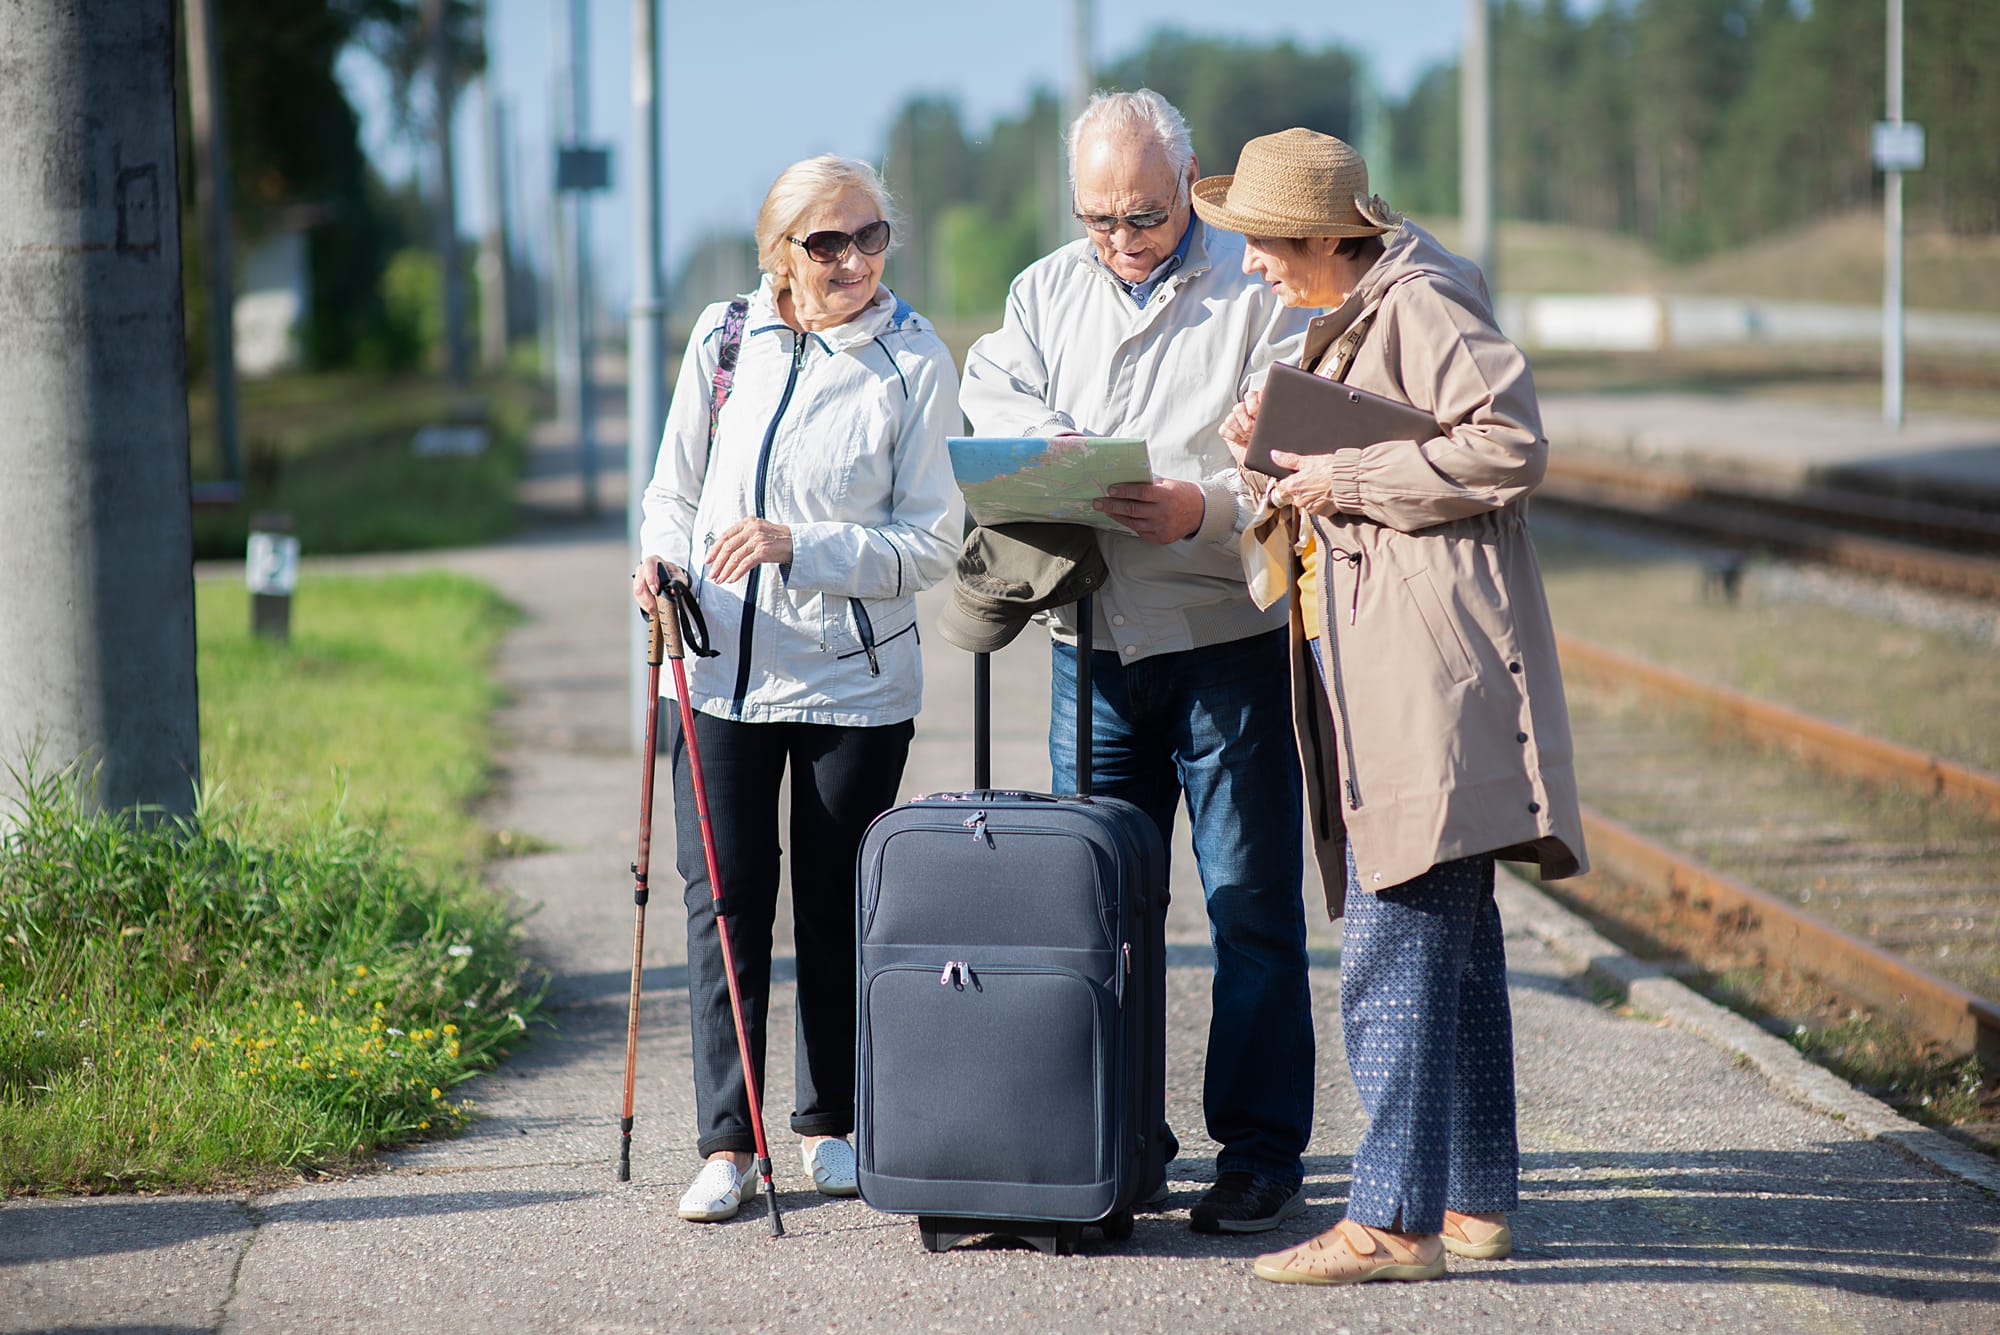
271,569
1898,147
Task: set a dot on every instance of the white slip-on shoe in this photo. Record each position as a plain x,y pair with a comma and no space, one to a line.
718,1192
831,1163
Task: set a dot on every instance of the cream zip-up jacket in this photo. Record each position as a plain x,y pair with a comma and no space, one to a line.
839,435
1077,354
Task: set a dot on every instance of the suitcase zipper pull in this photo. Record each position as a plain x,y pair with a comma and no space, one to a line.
954,974
1125,948
976,823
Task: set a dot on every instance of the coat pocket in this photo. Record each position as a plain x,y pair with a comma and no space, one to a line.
1451,650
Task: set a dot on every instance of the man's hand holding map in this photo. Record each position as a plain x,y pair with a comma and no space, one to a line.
1010,479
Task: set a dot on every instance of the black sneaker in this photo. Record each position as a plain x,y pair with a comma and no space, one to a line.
1245,1203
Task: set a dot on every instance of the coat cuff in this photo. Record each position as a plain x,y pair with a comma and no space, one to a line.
1225,512
1346,471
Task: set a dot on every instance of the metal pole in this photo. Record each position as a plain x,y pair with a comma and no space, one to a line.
1475,140
586,407
645,372
1059,226
445,96
1892,240
211,187
562,363
1083,72
97,650
493,249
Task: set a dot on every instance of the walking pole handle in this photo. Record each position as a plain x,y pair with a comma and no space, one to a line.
666,628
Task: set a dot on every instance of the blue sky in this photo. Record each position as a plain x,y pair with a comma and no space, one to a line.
754,85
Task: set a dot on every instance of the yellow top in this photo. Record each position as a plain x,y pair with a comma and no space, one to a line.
1308,587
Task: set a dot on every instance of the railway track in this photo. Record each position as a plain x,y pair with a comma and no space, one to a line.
1869,867
1926,542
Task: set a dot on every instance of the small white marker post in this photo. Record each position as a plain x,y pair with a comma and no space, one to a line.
271,569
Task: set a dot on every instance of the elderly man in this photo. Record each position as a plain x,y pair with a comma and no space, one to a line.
1149,327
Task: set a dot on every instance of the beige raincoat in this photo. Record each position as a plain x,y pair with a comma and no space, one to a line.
1442,732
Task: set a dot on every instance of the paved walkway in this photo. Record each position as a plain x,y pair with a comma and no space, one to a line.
1682,1171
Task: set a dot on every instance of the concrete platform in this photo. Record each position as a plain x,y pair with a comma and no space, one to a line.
1682,1171
1936,455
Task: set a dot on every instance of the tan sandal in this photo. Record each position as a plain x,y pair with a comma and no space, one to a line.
1351,1253
1483,1237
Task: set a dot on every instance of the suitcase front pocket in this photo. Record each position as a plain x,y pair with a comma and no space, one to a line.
993,1075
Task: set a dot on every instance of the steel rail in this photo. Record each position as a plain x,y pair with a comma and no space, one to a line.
1860,504
1733,914
1822,744
1951,571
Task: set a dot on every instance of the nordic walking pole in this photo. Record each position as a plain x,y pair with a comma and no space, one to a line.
656,635
686,619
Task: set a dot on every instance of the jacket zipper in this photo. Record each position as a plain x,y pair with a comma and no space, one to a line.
865,628
746,632
1333,673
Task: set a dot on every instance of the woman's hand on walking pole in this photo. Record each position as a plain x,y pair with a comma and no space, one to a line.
646,589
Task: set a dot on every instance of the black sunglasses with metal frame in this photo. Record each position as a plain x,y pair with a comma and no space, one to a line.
1144,221
831,247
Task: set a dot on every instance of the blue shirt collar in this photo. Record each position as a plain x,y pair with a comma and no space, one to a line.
1143,289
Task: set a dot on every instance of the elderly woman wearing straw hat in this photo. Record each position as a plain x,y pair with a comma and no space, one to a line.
1429,705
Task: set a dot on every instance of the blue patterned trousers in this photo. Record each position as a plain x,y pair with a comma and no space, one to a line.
1430,1041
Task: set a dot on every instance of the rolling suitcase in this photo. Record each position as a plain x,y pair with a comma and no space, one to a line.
1012,1012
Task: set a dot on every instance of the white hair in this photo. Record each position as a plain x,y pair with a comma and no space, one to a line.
1144,112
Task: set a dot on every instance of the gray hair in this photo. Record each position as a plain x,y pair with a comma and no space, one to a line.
1144,112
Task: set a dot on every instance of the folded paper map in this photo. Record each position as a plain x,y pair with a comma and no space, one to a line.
1012,479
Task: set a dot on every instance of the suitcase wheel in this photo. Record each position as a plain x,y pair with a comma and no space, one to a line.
1117,1227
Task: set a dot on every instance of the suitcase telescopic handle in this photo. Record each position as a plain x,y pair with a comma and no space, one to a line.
1085,628
982,707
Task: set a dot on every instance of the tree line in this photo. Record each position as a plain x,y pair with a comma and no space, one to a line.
1693,125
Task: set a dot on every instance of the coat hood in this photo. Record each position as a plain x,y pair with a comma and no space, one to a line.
1409,251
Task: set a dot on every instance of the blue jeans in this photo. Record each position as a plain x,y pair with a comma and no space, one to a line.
1216,724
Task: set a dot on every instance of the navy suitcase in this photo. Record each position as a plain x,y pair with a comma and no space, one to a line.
1012,1011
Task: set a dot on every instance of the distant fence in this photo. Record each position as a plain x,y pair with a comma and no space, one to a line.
1643,322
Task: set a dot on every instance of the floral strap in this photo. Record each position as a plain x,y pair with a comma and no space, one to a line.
725,361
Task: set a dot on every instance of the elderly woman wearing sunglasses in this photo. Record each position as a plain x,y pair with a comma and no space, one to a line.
804,492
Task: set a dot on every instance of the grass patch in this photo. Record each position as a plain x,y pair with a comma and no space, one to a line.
334,452
379,699
1932,689
279,984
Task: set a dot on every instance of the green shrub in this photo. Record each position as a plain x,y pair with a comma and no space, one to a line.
185,1005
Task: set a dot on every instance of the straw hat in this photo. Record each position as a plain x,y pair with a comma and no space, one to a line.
1295,183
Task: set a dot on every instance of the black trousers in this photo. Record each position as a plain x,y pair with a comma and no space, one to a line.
842,778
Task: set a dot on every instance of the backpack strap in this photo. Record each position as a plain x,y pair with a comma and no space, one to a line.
725,361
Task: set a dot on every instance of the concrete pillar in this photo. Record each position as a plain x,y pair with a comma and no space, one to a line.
97,606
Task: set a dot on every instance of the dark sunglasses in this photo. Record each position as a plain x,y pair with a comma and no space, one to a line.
1138,222
830,247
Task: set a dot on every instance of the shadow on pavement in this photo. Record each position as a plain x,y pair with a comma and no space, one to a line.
70,1231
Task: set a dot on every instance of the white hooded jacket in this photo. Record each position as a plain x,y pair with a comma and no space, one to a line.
838,434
